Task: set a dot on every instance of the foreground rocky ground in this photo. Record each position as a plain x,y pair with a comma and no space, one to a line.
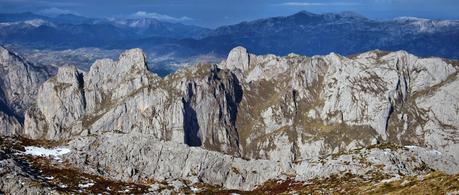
25,173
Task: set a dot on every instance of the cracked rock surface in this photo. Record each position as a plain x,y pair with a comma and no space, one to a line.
244,121
259,107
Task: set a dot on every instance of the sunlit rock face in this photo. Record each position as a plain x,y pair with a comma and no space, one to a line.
60,102
168,161
19,82
246,120
288,108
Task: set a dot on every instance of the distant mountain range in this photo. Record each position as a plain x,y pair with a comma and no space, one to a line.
304,33
72,31
345,33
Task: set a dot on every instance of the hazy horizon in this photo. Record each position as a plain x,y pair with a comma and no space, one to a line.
212,14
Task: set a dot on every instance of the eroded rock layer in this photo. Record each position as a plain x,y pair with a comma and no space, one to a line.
19,81
245,121
259,107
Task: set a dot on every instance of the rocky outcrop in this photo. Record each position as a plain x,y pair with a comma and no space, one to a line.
17,181
259,107
124,96
19,82
109,81
167,161
144,158
17,176
60,102
251,119
238,59
9,125
298,107
439,110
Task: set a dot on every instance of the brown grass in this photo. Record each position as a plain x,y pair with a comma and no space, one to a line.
433,183
72,178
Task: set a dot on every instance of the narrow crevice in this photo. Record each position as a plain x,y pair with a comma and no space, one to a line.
295,99
190,120
157,161
80,78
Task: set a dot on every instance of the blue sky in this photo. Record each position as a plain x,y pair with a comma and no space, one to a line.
212,13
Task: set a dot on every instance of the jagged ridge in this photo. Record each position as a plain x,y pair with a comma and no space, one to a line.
286,112
281,108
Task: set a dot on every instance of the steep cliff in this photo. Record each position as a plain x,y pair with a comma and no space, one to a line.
247,120
19,81
259,107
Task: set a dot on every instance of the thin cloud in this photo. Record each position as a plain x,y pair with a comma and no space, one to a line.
309,4
55,3
54,11
161,17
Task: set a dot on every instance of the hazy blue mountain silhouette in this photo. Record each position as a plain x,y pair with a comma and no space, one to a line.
303,33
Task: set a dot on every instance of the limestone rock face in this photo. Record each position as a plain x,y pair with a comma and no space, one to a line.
124,96
238,58
286,109
210,109
35,125
19,82
252,118
441,105
9,125
324,104
146,158
109,81
61,102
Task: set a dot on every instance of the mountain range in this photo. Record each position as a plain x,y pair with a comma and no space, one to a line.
250,123
81,112
303,33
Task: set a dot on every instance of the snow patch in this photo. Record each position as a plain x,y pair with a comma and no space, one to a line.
194,190
396,178
411,147
49,178
86,185
124,191
63,186
40,151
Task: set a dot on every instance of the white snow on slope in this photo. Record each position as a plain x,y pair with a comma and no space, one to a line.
85,185
40,151
194,189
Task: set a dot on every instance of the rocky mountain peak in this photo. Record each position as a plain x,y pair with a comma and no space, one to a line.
131,69
4,54
238,58
348,15
7,57
304,13
132,59
68,74
19,80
